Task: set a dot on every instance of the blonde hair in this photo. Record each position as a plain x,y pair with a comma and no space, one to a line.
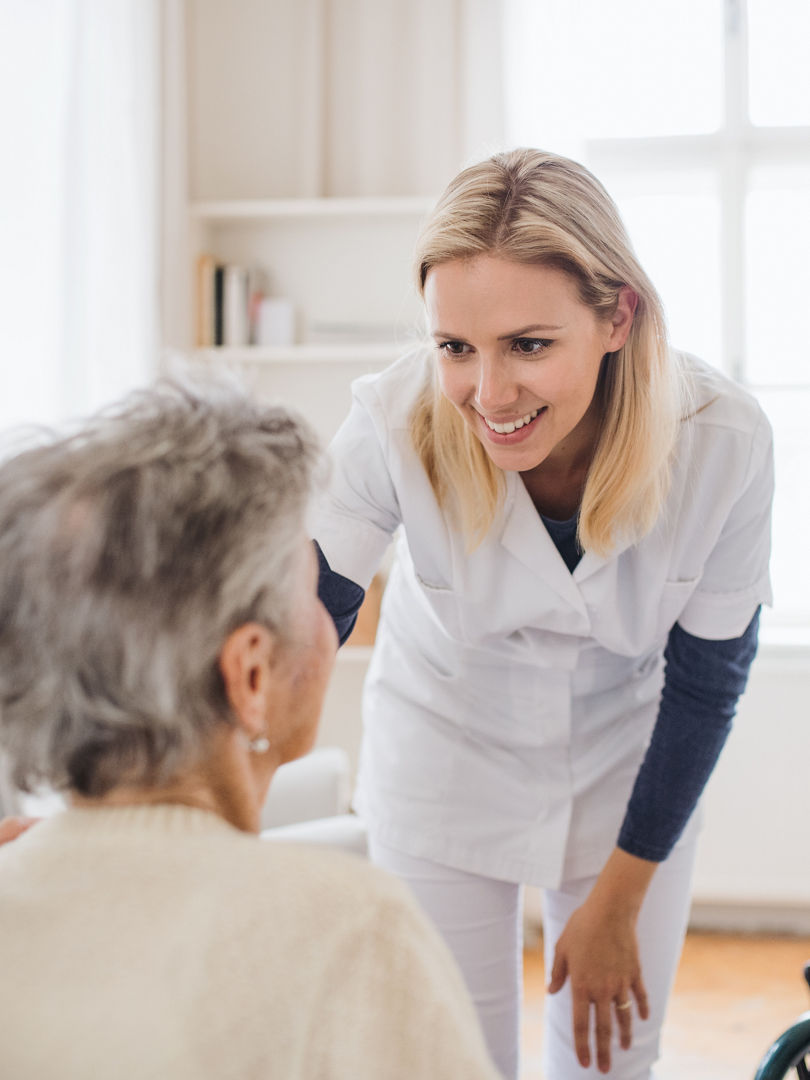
537,208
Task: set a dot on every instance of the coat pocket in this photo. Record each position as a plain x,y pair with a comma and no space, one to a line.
443,604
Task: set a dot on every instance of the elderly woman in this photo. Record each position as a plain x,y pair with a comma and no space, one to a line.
162,652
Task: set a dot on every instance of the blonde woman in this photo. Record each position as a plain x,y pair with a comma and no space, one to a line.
572,613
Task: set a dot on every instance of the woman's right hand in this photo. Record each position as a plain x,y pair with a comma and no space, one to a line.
12,827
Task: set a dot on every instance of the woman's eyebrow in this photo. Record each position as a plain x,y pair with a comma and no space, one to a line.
503,337
528,330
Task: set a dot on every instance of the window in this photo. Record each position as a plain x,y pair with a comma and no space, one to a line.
696,116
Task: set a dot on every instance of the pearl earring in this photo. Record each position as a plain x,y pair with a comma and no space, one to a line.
259,745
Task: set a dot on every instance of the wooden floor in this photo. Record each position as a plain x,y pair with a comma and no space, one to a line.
733,996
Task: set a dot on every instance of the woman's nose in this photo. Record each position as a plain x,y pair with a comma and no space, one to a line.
496,388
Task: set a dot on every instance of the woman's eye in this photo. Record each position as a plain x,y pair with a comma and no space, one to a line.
530,346
454,348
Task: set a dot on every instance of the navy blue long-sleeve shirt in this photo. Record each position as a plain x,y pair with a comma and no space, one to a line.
703,681
340,596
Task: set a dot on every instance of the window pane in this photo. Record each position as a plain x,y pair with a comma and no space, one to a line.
779,61
652,69
579,69
778,277
674,224
790,567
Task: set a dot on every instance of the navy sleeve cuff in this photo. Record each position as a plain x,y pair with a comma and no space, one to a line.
702,683
340,596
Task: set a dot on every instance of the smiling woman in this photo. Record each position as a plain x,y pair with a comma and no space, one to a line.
531,402
581,507
573,279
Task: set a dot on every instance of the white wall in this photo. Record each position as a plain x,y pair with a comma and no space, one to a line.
755,848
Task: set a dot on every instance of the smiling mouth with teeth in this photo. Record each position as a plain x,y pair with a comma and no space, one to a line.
511,425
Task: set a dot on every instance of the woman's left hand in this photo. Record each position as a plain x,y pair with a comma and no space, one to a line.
598,952
600,957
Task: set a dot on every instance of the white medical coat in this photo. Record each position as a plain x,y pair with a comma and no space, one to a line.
509,702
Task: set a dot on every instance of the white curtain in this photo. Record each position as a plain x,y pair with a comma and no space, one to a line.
79,91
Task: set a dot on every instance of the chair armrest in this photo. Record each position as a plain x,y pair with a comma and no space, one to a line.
346,831
314,786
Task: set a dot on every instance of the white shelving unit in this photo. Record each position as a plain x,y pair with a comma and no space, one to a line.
344,264
243,184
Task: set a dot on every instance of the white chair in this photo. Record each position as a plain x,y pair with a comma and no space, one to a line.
308,803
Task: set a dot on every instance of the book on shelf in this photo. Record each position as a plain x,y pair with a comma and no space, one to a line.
219,305
204,300
235,307
227,303
256,291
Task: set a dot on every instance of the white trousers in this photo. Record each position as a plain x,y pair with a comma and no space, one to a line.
481,921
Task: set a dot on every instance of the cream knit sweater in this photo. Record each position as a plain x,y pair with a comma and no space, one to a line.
161,942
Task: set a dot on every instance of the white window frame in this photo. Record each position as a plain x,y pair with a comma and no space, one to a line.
731,153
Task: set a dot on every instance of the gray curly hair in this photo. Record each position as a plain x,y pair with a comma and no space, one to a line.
128,552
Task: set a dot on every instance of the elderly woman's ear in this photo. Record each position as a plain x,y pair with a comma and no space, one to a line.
247,663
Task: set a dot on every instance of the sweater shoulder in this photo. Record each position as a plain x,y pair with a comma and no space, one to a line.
357,890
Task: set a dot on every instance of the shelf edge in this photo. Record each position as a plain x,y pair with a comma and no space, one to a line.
383,353
267,209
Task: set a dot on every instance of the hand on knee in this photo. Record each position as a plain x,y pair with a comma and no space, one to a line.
601,960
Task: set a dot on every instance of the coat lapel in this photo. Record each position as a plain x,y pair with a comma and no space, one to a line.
525,537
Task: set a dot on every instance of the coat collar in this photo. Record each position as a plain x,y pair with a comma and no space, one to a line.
526,538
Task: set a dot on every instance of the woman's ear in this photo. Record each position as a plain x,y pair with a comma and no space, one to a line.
245,662
622,319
